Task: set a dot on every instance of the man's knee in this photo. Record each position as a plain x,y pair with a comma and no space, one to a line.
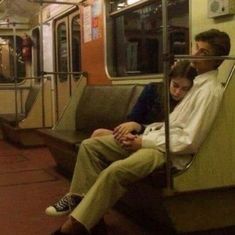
88,143
101,132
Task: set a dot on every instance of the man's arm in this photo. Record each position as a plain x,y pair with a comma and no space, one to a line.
187,131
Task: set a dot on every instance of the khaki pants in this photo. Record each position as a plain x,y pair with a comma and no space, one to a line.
103,172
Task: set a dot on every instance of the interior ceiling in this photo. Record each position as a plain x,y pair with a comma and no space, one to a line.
17,8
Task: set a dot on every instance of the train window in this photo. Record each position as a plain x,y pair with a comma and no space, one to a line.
62,51
76,54
7,69
134,35
36,51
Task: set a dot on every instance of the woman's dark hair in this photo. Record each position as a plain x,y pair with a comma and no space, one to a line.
183,69
219,41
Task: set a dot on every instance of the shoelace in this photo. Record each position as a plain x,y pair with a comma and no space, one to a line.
65,202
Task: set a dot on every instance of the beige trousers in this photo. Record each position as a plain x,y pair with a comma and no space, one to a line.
103,172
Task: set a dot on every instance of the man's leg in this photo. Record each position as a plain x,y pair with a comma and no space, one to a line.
95,154
112,184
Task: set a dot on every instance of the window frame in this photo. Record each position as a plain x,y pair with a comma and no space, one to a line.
109,37
11,65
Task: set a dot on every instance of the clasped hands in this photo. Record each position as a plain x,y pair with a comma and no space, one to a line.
125,138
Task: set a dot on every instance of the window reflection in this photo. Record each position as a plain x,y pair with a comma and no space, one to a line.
7,59
76,50
62,51
129,2
137,36
123,3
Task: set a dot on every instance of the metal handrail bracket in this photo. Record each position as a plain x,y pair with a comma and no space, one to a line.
56,2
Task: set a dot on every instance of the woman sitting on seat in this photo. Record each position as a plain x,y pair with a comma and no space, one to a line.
149,107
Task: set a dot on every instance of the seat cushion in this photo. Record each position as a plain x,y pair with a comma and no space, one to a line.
10,118
71,139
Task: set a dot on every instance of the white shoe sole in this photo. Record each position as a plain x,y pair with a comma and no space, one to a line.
52,212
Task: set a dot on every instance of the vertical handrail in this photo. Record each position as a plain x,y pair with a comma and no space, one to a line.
15,71
166,92
42,63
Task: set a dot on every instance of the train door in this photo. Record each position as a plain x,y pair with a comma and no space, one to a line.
67,51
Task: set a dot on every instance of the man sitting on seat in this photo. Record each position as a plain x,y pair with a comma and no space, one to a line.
107,166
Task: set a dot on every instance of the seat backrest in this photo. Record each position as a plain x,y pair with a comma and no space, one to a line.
104,106
136,93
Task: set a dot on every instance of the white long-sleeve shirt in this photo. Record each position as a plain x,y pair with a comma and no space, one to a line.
191,120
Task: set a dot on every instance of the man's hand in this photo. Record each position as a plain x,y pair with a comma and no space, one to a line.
125,128
130,142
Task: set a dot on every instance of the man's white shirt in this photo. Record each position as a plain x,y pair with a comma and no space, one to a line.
191,119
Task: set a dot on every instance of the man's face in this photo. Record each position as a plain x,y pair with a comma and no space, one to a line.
203,49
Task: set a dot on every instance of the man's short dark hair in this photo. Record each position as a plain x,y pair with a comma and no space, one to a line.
219,41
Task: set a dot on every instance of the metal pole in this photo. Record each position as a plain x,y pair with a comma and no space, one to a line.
15,73
166,92
55,2
42,62
203,57
72,73
13,23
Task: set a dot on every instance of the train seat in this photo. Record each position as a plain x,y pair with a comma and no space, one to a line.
90,111
20,128
205,191
12,118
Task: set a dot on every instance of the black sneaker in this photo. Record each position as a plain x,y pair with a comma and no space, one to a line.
64,206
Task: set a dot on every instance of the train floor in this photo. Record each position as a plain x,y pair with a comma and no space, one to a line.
29,182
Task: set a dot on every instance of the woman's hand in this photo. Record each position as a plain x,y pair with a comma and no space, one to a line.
125,128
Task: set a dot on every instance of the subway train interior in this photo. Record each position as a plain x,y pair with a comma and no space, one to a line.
69,67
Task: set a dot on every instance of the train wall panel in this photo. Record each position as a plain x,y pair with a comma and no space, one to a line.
93,60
